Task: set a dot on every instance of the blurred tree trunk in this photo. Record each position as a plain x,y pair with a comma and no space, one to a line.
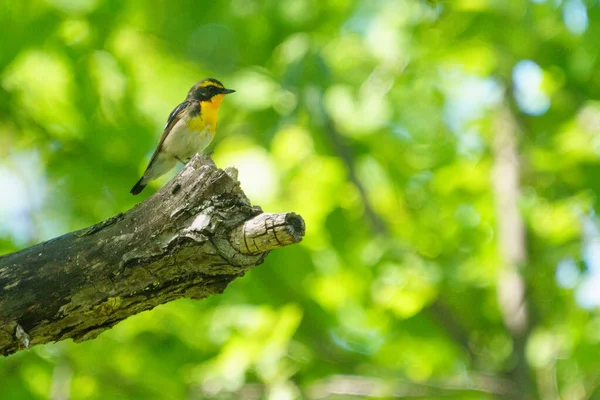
512,247
190,239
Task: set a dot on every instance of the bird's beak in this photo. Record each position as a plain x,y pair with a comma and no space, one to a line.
227,91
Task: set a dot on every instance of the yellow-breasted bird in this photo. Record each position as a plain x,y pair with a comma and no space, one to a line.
190,128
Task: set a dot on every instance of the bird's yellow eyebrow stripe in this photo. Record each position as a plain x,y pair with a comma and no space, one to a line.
211,83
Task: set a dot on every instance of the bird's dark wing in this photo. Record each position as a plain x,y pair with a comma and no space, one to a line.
174,117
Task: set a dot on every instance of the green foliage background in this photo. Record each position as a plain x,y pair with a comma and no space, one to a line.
375,120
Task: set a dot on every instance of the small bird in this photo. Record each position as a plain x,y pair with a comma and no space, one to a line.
190,129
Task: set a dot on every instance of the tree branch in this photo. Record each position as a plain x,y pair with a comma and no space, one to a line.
372,387
190,239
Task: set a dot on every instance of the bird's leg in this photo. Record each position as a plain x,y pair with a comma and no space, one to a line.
181,161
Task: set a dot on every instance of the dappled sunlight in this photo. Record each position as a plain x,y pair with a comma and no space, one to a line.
262,345
256,171
528,77
363,112
22,202
575,16
468,98
257,90
291,147
406,289
407,133
47,97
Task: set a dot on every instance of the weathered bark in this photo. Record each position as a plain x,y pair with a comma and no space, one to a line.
190,239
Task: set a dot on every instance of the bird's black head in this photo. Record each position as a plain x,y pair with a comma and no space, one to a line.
208,88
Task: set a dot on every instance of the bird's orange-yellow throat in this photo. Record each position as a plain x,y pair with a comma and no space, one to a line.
189,130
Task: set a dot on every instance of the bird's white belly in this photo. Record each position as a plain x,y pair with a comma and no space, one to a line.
183,143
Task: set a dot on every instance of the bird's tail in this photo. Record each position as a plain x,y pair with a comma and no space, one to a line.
138,187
